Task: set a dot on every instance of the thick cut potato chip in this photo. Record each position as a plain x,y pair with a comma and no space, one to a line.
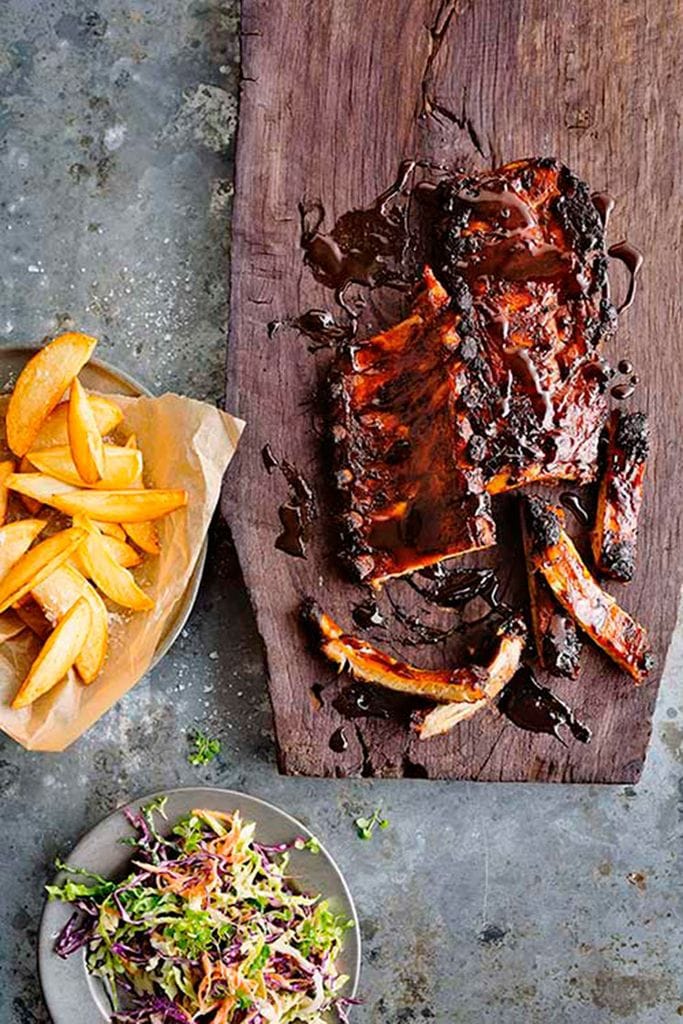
56,595
35,565
122,467
54,430
110,529
120,506
37,486
10,626
110,577
145,536
6,468
57,656
123,553
15,539
40,386
85,439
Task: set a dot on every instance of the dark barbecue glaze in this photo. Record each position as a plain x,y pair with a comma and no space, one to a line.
537,709
615,533
493,381
554,556
556,638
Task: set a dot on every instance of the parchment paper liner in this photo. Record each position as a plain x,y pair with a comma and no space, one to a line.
186,444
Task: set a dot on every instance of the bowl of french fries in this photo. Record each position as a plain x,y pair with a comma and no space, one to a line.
79,519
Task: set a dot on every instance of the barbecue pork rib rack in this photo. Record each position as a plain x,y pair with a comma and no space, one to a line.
493,381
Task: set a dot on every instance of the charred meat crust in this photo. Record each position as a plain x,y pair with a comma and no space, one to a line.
631,437
595,611
542,523
615,533
369,664
560,649
556,638
617,559
568,227
522,252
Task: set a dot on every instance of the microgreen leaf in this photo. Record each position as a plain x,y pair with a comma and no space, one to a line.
366,826
312,844
204,748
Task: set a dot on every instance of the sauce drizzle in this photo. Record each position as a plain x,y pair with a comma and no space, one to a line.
573,502
535,708
604,203
632,259
268,458
298,512
366,614
338,741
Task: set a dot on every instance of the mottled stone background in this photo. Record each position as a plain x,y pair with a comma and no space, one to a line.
523,904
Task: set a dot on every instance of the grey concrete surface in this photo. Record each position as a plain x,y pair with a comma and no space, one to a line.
523,904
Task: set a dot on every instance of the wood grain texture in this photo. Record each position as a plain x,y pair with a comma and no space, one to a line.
335,93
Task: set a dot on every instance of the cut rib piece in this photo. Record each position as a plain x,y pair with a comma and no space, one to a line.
368,664
615,534
500,670
597,613
521,251
556,638
406,502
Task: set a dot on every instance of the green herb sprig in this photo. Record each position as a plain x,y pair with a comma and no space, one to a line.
366,826
204,748
312,845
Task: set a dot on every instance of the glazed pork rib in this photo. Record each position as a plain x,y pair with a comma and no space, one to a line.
615,533
522,253
511,640
556,638
493,381
555,557
369,664
406,501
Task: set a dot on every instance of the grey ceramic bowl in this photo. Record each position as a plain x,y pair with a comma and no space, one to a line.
73,997
101,376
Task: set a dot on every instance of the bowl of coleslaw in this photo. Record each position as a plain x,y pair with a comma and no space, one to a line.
199,905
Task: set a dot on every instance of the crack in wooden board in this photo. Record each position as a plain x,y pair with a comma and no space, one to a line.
330,103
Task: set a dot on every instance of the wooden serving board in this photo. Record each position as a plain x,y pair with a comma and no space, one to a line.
335,93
